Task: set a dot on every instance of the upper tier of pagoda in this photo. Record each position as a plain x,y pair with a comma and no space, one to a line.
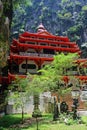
43,40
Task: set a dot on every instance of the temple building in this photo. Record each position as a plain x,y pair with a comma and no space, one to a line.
32,51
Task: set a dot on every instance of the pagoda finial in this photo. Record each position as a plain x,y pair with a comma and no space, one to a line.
41,28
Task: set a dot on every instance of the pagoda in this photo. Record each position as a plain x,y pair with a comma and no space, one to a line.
32,51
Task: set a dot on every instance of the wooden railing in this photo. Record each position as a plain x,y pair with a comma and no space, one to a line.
35,54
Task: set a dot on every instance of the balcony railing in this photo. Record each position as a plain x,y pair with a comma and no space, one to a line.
36,54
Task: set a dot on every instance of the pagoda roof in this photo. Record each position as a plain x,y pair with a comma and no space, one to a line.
12,77
73,46
45,34
82,60
65,78
24,39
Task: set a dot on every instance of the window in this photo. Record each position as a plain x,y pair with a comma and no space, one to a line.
33,37
43,44
31,42
50,39
48,51
43,65
29,66
41,38
65,46
74,68
53,44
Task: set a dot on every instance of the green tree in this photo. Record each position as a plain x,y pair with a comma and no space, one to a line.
36,87
54,75
22,88
74,32
18,94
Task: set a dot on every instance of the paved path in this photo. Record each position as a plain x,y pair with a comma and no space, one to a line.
82,113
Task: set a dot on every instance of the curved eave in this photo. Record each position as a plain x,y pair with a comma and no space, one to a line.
12,77
15,42
37,35
26,45
72,50
14,48
81,60
24,39
15,56
82,78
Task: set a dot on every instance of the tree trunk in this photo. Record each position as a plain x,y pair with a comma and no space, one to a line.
78,70
37,123
58,103
6,12
22,115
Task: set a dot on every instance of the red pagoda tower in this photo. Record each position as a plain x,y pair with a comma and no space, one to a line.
31,51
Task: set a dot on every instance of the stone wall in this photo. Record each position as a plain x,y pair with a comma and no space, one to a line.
45,104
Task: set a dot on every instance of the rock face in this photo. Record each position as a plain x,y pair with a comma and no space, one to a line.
5,23
60,17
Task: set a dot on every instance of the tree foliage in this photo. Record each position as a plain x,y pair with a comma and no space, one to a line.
53,74
22,88
17,94
84,8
